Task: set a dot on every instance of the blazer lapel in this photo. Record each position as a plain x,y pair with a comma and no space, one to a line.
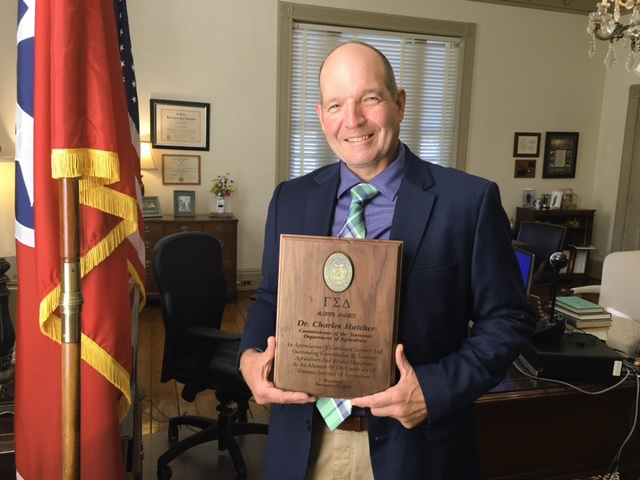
413,209
321,201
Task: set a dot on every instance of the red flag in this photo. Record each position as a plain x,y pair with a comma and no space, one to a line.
81,129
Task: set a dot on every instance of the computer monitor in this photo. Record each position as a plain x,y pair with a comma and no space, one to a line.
525,260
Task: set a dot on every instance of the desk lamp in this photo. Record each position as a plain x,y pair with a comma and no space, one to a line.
552,331
7,249
146,159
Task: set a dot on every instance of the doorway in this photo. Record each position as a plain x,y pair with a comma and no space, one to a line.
626,226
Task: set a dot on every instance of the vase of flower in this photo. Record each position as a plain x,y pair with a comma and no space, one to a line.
221,187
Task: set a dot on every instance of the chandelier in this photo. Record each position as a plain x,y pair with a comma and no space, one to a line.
605,25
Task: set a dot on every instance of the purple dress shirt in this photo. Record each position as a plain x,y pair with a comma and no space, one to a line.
378,212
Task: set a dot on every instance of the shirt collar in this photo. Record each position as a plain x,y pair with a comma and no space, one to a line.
387,182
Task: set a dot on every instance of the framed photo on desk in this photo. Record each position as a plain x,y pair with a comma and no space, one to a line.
151,207
184,203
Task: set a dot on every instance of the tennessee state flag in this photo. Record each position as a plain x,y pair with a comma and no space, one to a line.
73,120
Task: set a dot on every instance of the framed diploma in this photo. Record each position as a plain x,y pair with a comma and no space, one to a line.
526,144
179,125
181,169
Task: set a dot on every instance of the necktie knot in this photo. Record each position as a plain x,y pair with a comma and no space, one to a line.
363,192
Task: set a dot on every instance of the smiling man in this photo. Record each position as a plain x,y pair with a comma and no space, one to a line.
360,113
458,265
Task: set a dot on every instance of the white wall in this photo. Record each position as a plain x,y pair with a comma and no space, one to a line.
531,73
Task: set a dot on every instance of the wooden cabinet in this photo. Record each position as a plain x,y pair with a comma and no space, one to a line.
579,223
225,229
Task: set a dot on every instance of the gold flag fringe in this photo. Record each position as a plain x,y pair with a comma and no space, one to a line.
94,355
85,162
96,168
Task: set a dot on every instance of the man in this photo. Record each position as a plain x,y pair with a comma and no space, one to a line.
457,266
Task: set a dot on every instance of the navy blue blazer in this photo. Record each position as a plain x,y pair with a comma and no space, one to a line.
458,265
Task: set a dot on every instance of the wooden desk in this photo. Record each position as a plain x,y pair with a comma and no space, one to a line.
531,429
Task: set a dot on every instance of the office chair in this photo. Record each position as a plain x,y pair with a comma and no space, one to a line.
618,291
542,239
193,293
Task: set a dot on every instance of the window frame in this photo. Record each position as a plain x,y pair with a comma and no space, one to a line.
289,13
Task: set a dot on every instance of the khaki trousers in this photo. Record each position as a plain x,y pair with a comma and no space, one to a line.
338,455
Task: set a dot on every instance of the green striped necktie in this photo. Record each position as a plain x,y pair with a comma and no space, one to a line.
360,194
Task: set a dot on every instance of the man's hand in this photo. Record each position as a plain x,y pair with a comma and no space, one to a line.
256,368
404,401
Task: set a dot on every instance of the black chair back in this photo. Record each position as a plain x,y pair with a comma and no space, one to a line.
188,266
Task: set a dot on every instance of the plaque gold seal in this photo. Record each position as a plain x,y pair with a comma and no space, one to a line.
338,272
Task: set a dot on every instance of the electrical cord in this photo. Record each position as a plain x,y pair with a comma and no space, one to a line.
566,384
612,470
615,463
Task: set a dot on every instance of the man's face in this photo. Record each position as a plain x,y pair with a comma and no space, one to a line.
359,117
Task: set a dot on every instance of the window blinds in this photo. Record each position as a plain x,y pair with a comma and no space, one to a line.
428,68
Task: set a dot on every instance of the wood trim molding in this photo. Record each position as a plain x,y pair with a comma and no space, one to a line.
582,7
630,144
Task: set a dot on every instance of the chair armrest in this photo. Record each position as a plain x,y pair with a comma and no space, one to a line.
586,289
213,334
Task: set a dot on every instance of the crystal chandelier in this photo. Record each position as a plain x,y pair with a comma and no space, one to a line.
605,25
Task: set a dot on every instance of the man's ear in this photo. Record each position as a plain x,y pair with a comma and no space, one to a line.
401,100
319,113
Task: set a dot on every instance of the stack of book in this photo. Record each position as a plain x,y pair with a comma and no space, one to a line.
583,314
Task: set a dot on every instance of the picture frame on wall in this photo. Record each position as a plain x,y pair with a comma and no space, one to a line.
151,207
181,169
560,155
179,125
526,145
184,203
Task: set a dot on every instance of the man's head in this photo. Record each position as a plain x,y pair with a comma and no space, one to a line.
361,108
389,76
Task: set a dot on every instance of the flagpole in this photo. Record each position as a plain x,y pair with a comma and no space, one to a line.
70,308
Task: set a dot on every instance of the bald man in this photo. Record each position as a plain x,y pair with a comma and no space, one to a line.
458,266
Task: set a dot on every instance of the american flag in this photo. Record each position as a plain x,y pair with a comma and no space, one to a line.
128,69
130,87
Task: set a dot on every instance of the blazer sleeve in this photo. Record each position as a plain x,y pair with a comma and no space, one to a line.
502,320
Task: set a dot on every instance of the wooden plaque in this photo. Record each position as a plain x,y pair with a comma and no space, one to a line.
337,315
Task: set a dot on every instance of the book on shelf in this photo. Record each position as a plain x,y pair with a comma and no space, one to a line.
580,247
578,305
584,316
565,269
571,261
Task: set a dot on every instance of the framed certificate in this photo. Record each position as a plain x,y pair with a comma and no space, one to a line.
179,125
181,169
560,155
526,144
